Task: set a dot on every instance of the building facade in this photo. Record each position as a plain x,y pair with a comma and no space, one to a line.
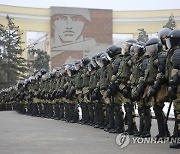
69,47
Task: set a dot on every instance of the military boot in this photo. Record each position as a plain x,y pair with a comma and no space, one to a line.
176,144
36,109
45,110
71,110
33,109
56,111
91,113
110,119
141,123
50,111
30,109
61,114
106,124
147,122
97,115
40,109
130,119
102,116
66,111
119,121
75,116
87,118
160,121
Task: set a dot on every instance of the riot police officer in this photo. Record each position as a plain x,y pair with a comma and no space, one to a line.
153,47
115,53
123,96
173,74
137,50
95,93
85,90
73,115
103,85
159,89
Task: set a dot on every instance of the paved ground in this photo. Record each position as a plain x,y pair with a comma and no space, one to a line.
21,134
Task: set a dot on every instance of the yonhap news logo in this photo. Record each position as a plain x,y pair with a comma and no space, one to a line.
124,139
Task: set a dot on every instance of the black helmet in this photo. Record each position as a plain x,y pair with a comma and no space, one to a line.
128,44
173,39
138,47
71,70
32,79
20,83
63,68
113,50
96,58
66,66
176,59
104,60
93,61
154,41
163,33
85,61
77,65
90,66
99,55
38,75
52,75
57,71
43,71
131,41
153,46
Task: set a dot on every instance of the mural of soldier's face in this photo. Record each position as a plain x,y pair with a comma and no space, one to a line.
69,27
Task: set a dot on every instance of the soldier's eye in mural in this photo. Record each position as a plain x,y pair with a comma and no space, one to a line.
77,18
61,17
69,27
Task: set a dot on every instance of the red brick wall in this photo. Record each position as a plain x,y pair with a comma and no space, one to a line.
100,26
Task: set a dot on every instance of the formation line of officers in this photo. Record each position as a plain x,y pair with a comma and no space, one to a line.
141,75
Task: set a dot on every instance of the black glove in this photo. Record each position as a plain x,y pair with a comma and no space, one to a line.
139,92
172,90
71,93
127,92
113,89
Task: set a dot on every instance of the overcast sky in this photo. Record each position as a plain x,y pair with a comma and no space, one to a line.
102,4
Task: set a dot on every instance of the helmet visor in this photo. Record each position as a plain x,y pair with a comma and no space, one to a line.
77,67
93,62
101,64
69,72
107,56
126,47
89,67
81,64
168,43
98,61
152,49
